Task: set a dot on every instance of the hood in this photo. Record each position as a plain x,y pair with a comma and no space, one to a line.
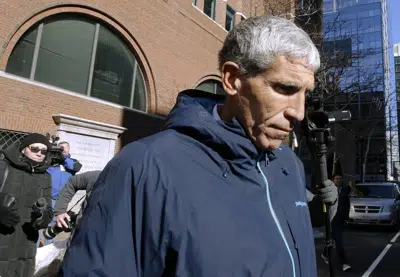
371,201
192,116
18,160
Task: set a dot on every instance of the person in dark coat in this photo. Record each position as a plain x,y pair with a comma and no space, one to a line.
216,193
339,220
25,204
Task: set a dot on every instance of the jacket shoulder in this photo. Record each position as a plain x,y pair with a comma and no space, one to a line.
157,144
143,154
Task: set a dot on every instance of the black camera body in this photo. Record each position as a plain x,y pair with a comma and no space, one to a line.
38,208
52,231
55,154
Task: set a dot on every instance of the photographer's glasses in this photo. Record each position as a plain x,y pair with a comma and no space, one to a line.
35,149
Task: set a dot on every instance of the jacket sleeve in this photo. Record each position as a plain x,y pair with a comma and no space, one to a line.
123,230
74,184
310,195
72,165
312,199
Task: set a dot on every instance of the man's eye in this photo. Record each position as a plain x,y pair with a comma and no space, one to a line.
287,89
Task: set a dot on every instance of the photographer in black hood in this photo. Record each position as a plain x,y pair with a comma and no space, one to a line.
25,204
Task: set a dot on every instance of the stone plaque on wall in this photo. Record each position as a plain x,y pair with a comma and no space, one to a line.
93,153
92,143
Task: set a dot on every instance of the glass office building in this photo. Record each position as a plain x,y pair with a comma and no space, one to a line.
360,29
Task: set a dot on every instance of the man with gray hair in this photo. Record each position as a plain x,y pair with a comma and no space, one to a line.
215,193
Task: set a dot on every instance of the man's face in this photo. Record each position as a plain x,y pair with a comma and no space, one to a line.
36,152
66,149
272,101
337,180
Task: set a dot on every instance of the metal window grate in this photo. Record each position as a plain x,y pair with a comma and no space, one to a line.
8,137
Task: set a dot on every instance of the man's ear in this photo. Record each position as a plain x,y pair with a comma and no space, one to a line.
230,75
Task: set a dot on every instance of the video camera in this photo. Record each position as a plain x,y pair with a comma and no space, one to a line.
316,114
55,152
317,120
52,231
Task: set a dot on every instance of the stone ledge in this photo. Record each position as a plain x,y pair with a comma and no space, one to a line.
78,125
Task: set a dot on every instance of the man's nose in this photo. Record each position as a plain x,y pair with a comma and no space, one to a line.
296,107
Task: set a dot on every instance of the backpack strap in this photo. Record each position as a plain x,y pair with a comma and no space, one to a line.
5,174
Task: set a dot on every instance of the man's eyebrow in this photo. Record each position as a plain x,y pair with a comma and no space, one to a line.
294,85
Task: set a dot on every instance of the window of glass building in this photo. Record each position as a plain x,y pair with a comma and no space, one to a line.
209,8
360,2
195,2
230,18
329,5
346,3
212,86
80,55
338,52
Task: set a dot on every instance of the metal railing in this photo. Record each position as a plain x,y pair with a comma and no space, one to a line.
9,137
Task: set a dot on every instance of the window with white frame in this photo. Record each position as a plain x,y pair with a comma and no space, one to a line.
79,54
230,18
209,8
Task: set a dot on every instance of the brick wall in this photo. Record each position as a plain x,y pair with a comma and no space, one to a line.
174,42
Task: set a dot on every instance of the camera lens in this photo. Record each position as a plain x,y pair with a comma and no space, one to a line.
51,232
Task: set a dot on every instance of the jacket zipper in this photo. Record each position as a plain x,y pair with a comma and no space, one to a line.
271,209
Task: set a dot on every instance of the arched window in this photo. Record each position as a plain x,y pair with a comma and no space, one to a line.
211,86
81,55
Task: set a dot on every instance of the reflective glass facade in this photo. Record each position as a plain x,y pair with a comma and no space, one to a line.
360,28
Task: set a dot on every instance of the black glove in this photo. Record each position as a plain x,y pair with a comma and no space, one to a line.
9,216
41,214
328,192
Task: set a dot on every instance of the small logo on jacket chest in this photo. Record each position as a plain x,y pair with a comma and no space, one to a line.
300,204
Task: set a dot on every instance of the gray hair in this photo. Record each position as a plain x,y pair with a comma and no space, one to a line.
255,43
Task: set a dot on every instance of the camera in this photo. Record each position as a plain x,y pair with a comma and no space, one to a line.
52,231
321,118
55,152
38,208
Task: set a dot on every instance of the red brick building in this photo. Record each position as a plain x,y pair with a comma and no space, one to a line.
115,63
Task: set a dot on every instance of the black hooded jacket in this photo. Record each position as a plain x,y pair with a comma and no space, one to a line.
27,182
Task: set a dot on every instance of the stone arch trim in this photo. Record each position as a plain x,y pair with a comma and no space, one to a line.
207,77
44,12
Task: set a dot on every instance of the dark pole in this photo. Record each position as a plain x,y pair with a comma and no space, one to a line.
321,137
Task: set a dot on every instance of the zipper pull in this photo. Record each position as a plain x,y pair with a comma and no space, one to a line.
266,160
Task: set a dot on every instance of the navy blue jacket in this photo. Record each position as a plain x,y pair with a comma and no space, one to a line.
197,199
